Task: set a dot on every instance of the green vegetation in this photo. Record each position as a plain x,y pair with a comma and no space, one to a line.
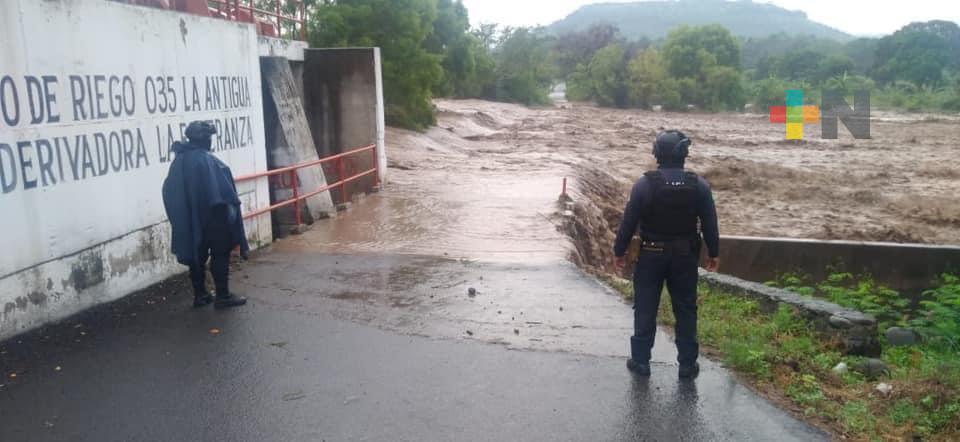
783,355
917,68
699,66
936,316
428,50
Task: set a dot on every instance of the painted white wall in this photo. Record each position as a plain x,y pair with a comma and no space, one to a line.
72,240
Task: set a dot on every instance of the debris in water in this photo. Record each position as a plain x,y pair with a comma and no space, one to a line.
214,331
471,292
57,368
469,332
280,344
516,331
561,308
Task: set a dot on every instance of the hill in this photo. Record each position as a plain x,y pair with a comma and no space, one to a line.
654,19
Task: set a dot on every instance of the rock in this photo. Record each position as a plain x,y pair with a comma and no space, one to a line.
841,368
899,336
471,292
885,388
873,368
840,322
516,331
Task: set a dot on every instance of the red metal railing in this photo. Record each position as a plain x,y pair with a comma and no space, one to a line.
269,23
291,173
248,12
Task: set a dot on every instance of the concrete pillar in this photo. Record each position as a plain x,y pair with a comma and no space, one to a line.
289,141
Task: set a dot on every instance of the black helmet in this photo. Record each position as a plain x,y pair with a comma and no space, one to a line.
672,146
199,131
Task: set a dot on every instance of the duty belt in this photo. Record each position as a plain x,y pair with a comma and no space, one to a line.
676,246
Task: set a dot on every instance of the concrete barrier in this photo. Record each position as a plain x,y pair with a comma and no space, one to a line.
855,330
92,94
909,268
343,96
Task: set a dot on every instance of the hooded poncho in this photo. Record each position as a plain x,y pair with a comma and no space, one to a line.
196,183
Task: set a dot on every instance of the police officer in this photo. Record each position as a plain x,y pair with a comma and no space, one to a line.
664,209
201,201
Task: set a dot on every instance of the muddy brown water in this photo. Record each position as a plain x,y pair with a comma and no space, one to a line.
900,186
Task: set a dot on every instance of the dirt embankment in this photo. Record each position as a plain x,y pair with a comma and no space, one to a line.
900,186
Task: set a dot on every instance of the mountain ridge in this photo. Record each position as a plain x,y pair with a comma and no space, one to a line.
654,19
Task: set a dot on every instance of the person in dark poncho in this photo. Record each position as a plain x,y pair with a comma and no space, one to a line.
201,201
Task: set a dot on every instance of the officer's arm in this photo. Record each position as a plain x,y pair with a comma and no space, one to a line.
631,217
707,211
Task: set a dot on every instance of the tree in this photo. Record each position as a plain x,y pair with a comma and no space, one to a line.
646,74
723,89
524,73
800,65
467,66
688,48
705,60
947,30
573,49
916,56
400,28
608,76
834,66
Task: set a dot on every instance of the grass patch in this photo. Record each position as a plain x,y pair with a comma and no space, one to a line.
781,354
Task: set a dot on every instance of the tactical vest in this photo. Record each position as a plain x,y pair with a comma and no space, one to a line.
672,210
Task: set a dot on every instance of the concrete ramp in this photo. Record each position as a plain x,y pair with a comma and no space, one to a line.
289,141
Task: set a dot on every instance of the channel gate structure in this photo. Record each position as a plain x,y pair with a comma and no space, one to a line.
94,92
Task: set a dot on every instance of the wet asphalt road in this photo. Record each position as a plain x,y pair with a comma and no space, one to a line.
308,361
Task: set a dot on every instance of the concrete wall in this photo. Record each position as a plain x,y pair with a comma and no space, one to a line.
909,268
92,93
343,93
289,142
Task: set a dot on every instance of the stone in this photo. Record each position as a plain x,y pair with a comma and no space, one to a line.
841,368
885,388
873,368
840,322
899,336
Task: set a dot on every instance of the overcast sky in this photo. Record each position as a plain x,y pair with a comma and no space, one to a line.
858,17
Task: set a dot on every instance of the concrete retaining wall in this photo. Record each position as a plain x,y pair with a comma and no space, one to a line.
909,268
289,142
343,94
92,94
857,331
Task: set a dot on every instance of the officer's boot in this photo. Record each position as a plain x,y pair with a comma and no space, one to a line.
198,278
689,371
637,364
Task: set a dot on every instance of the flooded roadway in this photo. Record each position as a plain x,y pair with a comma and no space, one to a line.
443,308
